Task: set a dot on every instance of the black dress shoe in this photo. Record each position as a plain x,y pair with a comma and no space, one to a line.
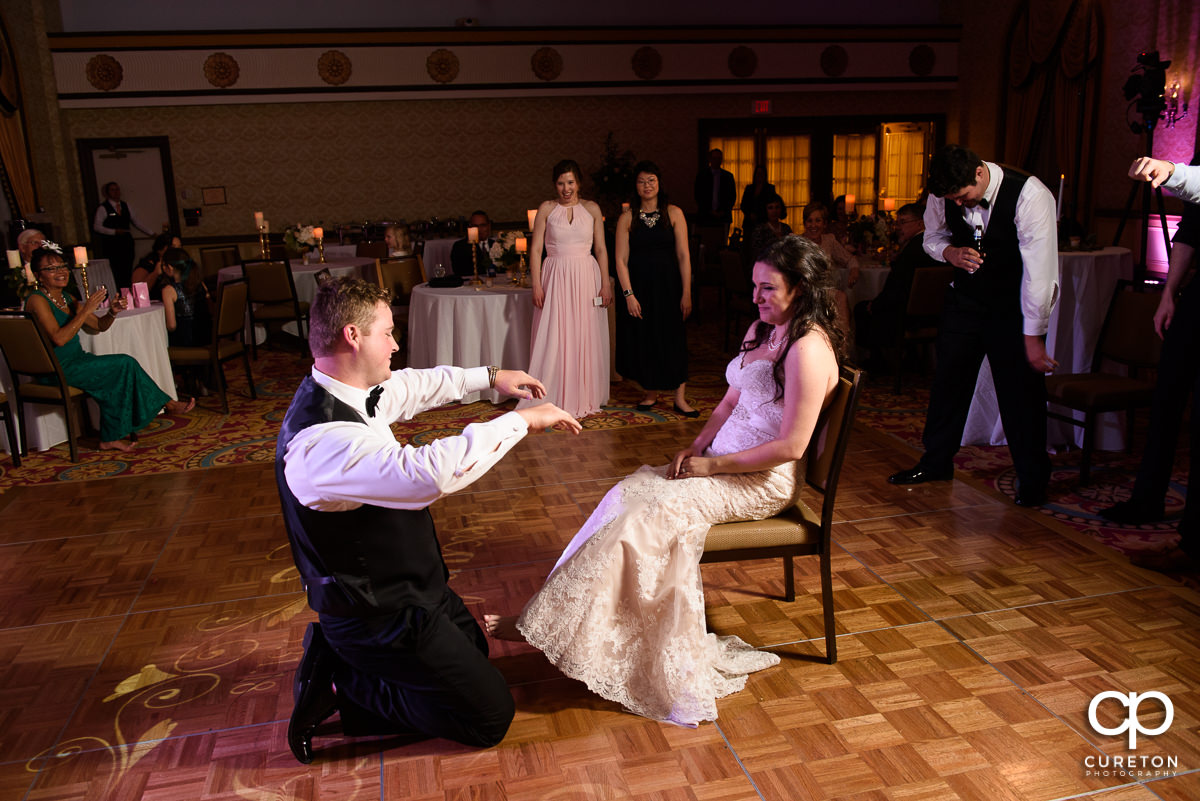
1133,512
644,407
1031,497
694,413
919,475
313,693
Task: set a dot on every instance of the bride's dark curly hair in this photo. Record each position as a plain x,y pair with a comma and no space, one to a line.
805,268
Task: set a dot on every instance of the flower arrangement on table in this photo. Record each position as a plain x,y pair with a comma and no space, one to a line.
299,238
503,252
871,234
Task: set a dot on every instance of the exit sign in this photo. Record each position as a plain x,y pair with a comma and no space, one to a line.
761,107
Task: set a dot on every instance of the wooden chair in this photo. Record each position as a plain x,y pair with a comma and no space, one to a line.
29,352
399,276
228,340
798,530
919,325
1127,338
272,294
738,292
10,430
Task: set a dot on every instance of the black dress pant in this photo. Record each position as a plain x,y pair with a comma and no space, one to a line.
969,331
422,672
1178,377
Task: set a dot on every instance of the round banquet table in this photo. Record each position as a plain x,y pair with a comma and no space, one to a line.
870,281
466,327
1086,284
141,333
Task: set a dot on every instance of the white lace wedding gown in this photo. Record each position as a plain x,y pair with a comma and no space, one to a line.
623,610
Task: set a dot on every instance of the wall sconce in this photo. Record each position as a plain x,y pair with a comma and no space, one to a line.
1173,114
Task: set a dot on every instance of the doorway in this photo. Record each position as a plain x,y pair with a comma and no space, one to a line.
142,166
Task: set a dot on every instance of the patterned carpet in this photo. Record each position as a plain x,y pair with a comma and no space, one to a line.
208,438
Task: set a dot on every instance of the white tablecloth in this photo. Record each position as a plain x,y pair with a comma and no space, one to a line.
141,333
1086,282
870,281
469,328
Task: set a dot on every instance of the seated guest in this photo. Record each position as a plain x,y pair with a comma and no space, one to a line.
185,301
754,200
816,228
128,398
398,242
149,267
460,253
773,227
28,241
876,320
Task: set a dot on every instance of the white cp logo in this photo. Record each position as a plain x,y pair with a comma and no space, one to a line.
1131,702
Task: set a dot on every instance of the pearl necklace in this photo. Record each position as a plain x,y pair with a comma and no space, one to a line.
60,301
772,345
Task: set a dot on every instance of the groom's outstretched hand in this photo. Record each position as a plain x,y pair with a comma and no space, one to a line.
519,384
547,415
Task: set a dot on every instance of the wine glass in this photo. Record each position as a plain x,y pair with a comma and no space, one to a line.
439,271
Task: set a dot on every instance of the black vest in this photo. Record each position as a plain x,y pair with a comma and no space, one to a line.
116,220
366,562
997,284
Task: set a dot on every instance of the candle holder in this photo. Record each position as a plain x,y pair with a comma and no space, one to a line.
321,248
262,242
519,280
475,263
83,271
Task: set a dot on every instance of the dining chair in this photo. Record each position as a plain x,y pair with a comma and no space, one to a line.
213,259
228,340
30,353
14,445
398,276
1127,338
919,323
799,530
271,291
738,292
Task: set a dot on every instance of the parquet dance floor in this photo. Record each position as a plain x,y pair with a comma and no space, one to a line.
151,625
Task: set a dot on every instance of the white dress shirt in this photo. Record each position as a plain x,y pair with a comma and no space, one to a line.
1184,183
102,214
336,466
1037,237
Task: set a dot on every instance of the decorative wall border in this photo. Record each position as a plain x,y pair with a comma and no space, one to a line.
172,69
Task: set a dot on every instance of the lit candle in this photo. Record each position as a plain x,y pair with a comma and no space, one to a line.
849,203
318,233
472,234
522,244
81,254
531,214
14,258
889,204
258,219
1061,180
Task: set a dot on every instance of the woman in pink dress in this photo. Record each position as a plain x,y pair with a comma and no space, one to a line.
571,294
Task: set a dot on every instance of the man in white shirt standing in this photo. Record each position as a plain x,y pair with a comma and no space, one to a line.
998,306
404,654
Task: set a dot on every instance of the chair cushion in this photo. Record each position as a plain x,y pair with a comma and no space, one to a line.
188,354
46,392
796,525
1098,391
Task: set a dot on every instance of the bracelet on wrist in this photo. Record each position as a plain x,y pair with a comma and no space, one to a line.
493,371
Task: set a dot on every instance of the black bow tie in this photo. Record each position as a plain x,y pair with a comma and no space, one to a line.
373,400
984,204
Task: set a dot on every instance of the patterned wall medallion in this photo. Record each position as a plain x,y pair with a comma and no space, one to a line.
104,72
334,67
922,60
442,65
742,61
647,63
547,63
834,60
221,70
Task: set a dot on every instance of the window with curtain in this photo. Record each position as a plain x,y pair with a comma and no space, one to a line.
902,160
739,159
854,169
788,169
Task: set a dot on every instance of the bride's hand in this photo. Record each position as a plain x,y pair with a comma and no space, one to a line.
688,464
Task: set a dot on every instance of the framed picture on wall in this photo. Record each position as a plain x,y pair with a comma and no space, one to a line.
213,195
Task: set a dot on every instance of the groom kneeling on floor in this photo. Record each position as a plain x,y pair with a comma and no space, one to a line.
396,651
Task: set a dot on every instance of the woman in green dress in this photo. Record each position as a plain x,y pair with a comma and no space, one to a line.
128,398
